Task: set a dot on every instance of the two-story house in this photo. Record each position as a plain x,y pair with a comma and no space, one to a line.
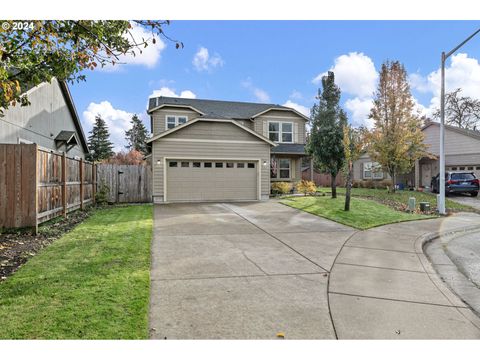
209,150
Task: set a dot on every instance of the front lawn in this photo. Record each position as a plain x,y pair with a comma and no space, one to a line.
92,283
363,214
400,197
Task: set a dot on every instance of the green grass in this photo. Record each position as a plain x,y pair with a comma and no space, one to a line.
363,214
401,197
92,283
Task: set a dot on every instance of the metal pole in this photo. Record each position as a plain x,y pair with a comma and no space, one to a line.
441,189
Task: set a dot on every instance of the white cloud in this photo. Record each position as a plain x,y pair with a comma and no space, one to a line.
260,94
297,95
149,56
355,74
118,121
166,91
461,72
359,110
202,61
300,108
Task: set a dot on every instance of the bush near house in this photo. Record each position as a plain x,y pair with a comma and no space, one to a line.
281,187
372,184
306,187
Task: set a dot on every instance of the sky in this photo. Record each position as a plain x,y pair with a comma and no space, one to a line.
280,62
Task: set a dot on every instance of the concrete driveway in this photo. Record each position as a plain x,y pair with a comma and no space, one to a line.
241,271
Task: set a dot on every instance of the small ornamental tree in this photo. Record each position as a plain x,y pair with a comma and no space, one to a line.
101,148
325,143
396,141
353,143
136,136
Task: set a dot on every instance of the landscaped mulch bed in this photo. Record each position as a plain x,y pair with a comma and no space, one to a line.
16,247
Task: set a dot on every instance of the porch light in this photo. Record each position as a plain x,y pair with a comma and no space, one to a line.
264,162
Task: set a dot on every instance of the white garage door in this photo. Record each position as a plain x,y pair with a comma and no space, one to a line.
211,180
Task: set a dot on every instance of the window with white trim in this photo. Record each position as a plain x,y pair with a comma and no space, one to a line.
280,169
171,121
281,132
372,170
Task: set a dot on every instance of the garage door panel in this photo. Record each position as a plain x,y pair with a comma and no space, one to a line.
211,183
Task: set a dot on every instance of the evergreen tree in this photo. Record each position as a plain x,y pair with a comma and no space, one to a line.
101,148
137,135
325,143
396,140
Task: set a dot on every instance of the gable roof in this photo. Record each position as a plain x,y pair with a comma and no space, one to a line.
472,133
73,112
71,107
191,122
217,109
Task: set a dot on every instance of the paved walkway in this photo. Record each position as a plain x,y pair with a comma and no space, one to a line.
248,271
383,287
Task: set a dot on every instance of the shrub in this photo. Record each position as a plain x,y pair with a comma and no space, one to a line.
101,196
385,184
281,187
306,187
368,184
356,183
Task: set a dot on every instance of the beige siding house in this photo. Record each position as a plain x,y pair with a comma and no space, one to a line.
209,150
51,121
462,152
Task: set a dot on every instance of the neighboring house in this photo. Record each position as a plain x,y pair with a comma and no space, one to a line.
50,121
462,152
208,150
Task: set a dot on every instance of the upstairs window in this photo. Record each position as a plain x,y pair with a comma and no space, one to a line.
281,132
171,121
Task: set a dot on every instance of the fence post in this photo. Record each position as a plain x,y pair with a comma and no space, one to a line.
94,181
81,183
64,184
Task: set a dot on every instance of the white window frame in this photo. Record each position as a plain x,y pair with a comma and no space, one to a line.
280,131
279,168
176,120
375,170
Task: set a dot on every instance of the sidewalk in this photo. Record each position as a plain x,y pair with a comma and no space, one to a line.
383,287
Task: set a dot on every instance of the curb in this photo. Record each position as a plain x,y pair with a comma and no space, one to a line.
446,288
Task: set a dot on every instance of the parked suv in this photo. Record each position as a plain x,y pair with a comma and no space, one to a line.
457,182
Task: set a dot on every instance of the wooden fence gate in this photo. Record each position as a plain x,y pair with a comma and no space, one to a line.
126,183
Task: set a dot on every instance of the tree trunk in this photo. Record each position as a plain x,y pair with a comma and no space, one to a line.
393,176
349,187
333,185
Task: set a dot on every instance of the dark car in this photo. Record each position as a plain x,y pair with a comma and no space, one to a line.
457,182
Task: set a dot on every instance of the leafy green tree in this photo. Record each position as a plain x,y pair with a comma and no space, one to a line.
325,143
63,49
396,141
137,135
353,143
101,148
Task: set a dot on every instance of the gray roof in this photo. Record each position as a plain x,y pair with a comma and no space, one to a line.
234,110
289,149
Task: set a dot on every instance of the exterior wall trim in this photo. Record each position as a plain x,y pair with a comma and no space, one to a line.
189,123
214,141
281,109
175,105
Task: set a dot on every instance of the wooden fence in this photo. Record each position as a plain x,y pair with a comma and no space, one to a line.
322,179
126,183
37,185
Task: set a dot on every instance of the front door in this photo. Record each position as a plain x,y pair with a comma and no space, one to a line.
426,174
